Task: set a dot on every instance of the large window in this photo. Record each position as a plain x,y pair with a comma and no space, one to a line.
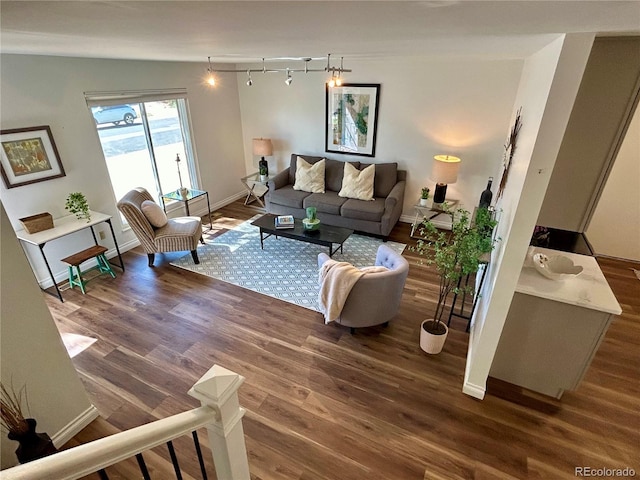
142,139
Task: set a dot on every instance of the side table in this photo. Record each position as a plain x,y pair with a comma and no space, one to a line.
429,212
192,194
254,194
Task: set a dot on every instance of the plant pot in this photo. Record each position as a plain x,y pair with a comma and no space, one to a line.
32,445
431,342
264,178
423,202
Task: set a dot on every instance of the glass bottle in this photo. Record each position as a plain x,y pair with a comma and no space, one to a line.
486,196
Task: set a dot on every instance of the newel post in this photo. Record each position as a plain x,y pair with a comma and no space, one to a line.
218,389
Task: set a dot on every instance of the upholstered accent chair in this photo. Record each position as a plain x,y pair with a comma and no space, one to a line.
375,298
181,233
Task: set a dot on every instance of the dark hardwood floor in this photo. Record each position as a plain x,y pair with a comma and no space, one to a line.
324,404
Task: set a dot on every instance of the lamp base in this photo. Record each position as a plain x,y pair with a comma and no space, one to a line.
263,166
440,193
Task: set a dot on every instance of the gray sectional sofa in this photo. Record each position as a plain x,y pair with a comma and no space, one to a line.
376,217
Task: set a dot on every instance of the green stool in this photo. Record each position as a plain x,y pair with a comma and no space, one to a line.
74,261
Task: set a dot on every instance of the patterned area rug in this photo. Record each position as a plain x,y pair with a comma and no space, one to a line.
286,269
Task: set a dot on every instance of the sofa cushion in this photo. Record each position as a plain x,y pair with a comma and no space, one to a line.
154,213
309,178
362,210
294,163
288,197
328,202
385,179
356,183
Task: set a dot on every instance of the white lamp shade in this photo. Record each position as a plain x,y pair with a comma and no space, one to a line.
445,169
262,147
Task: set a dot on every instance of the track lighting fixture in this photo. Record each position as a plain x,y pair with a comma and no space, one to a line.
336,72
210,78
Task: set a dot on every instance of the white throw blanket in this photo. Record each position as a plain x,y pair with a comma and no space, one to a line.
336,281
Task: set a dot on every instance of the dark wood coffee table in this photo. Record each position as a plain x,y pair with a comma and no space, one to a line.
325,235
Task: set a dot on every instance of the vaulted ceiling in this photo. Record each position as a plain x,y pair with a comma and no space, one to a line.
236,31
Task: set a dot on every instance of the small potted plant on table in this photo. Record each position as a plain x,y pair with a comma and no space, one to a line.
77,203
263,171
454,254
424,196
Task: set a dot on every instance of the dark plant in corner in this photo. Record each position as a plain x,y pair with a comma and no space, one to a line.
455,254
12,419
77,203
32,445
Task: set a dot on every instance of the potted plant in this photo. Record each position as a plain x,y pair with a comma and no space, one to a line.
32,445
263,170
77,203
424,196
454,254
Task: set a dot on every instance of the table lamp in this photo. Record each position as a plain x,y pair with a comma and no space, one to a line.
444,171
263,147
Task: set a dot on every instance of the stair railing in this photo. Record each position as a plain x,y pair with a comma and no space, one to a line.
220,413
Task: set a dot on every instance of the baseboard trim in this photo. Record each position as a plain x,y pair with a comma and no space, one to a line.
475,391
74,427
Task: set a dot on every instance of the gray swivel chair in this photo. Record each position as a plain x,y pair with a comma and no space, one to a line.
181,233
375,298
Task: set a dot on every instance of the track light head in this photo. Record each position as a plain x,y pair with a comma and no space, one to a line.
210,78
249,81
289,78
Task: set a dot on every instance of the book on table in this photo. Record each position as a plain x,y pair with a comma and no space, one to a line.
284,221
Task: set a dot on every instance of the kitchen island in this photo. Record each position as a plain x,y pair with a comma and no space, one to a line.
554,327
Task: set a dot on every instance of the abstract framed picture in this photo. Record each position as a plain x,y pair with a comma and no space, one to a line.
351,112
29,155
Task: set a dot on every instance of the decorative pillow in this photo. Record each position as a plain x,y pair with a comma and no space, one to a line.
309,178
154,213
356,183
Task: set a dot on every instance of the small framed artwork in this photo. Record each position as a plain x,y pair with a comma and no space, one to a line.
351,112
29,155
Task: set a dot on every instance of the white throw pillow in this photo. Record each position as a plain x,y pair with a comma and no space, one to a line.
356,183
309,178
154,213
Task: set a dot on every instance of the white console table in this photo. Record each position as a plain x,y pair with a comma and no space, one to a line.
554,328
65,226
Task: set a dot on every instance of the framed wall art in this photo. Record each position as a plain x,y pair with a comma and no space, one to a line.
29,155
351,112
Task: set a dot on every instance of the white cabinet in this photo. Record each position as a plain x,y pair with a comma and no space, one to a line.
554,328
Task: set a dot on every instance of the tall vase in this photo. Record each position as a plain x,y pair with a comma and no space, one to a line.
32,445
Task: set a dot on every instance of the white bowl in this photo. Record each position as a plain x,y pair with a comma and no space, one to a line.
555,267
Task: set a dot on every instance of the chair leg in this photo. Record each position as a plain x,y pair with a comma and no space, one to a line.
194,254
353,330
151,257
202,240
385,324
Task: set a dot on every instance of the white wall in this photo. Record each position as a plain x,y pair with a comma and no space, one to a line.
49,91
427,107
614,229
32,352
548,86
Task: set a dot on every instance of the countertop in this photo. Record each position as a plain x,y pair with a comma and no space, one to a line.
589,289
